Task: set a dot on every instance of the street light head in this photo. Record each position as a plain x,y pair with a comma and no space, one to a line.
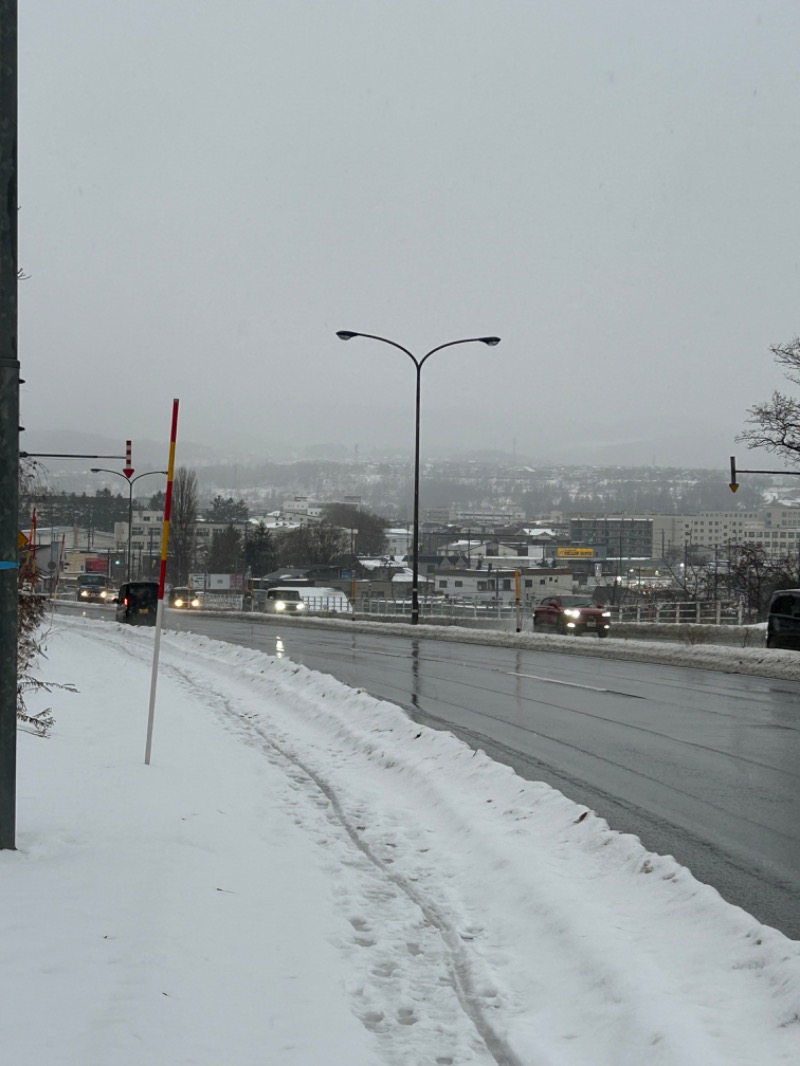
345,334
491,341
95,469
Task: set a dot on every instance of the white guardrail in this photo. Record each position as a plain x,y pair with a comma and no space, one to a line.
701,612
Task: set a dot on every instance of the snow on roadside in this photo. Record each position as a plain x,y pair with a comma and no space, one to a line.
458,912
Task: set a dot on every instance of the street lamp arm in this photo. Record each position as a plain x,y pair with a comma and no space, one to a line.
105,470
129,482
346,335
491,341
147,473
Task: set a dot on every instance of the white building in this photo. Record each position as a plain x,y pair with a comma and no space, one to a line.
494,584
399,540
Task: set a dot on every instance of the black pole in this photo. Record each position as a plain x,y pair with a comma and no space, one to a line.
130,523
9,425
346,335
415,545
65,455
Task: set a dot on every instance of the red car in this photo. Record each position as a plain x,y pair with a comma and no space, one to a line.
572,614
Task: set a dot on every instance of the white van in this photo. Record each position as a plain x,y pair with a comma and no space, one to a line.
279,600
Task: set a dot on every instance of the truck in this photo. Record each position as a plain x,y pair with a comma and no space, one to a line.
93,588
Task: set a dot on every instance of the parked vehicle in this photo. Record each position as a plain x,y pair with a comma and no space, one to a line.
183,599
572,614
137,603
93,588
783,620
279,600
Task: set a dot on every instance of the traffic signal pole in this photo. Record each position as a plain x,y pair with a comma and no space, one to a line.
9,424
733,484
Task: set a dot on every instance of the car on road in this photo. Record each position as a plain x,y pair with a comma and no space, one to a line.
280,601
183,599
783,619
93,588
137,603
571,614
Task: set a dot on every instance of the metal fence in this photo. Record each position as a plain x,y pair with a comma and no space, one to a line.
701,612
441,609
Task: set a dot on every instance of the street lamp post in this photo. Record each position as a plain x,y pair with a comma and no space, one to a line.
130,481
346,335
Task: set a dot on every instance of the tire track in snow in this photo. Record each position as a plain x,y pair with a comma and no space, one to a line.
463,979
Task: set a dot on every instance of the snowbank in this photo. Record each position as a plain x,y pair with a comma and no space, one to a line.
304,875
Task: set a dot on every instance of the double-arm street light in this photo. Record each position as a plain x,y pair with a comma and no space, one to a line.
346,335
130,481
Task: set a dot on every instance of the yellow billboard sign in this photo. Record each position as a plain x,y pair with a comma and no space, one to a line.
575,553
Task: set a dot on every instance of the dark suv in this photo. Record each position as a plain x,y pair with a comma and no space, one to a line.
783,620
571,614
137,603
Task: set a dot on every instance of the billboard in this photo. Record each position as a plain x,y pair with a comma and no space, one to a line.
575,553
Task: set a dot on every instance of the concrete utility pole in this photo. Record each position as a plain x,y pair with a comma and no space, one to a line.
9,423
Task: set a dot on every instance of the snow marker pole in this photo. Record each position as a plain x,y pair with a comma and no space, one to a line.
161,582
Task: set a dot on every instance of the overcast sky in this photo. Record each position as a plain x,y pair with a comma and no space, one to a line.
211,188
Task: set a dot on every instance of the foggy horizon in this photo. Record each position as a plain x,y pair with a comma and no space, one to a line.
209,192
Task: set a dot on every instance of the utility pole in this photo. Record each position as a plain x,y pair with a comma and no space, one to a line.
9,424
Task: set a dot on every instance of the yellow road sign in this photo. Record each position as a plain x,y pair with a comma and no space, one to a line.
575,553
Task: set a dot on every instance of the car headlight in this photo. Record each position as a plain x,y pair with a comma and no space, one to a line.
570,612
195,602
301,606
606,614
84,592
179,603
280,606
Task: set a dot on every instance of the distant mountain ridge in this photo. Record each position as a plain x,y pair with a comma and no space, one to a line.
477,482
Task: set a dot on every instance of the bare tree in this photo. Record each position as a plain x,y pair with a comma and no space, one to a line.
755,576
776,422
182,525
319,544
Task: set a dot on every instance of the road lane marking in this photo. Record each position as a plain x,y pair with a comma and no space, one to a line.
575,684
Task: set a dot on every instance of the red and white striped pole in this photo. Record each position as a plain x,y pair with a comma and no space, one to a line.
162,580
127,470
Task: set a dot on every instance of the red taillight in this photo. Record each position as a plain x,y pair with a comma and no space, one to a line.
125,602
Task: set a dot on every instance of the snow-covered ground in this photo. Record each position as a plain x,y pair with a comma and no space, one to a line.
304,876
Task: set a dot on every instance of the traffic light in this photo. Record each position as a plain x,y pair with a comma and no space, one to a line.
734,484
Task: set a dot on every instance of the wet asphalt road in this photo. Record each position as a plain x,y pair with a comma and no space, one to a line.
701,765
